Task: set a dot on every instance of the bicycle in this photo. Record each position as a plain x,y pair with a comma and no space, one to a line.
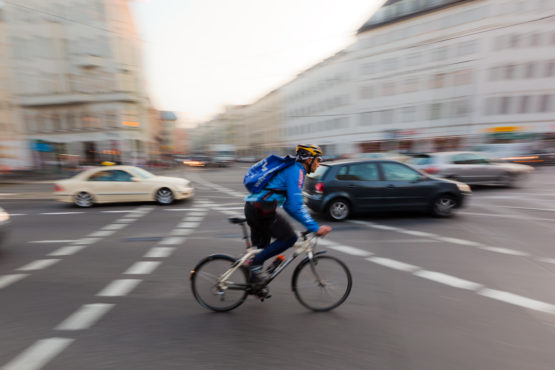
220,282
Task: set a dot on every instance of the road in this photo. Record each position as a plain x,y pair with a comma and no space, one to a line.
108,288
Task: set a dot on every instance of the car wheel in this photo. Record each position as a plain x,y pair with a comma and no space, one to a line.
164,196
339,209
443,205
84,200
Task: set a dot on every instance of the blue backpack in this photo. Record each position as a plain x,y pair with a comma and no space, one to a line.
261,172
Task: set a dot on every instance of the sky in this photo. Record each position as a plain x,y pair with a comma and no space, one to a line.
200,55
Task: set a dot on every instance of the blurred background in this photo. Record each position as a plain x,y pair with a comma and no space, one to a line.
417,76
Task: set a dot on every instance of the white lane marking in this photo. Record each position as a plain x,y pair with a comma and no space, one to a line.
448,280
85,317
227,208
38,265
52,241
119,288
457,241
129,211
159,252
172,240
548,260
182,232
529,208
17,214
416,233
179,209
142,267
125,220
517,217
10,279
505,251
188,224
517,300
351,250
114,227
67,251
87,241
61,213
102,233
194,218
39,354
446,239
397,265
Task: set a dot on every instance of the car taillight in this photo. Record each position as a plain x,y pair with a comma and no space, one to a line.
431,170
58,188
319,187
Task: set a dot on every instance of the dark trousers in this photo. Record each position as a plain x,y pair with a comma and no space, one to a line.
265,226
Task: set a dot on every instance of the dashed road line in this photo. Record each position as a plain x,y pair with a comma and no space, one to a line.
118,288
39,354
448,280
38,265
61,213
172,240
142,268
10,279
102,233
397,265
67,251
53,241
159,252
518,300
85,317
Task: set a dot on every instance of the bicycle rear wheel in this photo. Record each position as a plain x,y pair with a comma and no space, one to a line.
212,294
321,284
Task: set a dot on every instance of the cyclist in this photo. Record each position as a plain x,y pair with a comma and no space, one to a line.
284,189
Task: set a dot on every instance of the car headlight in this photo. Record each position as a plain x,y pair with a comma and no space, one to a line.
4,216
463,187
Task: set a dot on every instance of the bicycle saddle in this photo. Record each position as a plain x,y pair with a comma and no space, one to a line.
237,220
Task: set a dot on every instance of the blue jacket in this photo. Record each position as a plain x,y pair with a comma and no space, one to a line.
290,179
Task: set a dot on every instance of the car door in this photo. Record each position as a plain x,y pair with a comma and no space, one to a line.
404,187
111,186
362,182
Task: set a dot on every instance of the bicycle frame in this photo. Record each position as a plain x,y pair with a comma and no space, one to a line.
306,245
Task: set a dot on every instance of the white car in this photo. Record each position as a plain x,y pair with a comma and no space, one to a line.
114,184
472,168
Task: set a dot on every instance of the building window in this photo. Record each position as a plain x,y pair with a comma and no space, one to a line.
545,101
411,84
530,70
388,88
550,69
524,104
435,111
505,105
438,80
510,71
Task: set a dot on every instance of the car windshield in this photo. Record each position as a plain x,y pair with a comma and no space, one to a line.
319,172
144,174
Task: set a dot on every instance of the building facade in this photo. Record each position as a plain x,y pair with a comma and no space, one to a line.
427,75
77,81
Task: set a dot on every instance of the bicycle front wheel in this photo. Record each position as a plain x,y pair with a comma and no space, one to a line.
321,284
214,294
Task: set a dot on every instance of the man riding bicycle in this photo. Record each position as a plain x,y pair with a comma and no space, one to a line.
284,189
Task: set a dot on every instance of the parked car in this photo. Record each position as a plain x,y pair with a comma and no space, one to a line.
4,225
121,184
472,168
340,188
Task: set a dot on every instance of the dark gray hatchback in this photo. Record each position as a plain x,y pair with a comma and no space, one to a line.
343,187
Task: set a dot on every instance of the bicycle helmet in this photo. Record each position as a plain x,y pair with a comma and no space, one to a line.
305,151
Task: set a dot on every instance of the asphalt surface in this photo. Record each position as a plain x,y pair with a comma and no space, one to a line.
108,287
